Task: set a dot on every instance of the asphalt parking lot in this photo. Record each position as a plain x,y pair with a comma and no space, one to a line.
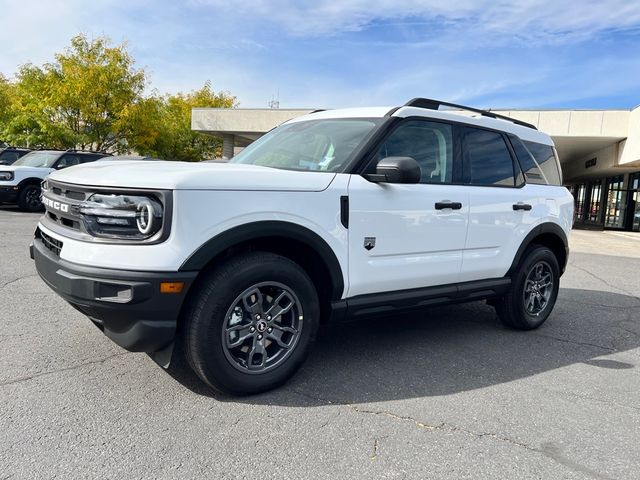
448,393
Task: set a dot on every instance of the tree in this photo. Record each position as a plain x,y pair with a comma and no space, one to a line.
82,100
7,106
174,139
92,97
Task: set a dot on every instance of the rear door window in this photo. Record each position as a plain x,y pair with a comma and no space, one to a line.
89,158
68,160
488,159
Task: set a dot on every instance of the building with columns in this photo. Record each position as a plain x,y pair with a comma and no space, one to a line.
599,152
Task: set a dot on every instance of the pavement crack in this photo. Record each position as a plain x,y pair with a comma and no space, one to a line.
10,282
600,305
66,369
574,342
595,399
597,277
394,416
374,454
545,449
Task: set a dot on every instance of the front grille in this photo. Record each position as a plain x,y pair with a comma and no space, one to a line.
50,243
62,202
66,192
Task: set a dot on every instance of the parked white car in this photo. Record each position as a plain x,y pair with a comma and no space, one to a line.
20,181
334,215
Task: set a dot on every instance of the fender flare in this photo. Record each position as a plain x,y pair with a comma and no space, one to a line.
29,181
543,228
255,230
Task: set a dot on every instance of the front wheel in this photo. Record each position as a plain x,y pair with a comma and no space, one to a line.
250,322
533,292
29,198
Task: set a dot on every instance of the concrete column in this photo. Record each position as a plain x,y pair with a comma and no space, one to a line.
228,141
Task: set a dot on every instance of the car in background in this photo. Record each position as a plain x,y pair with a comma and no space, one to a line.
8,155
20,182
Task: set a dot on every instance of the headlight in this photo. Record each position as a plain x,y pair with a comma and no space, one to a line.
6,176
133,217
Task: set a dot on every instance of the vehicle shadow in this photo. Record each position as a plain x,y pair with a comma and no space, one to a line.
448,350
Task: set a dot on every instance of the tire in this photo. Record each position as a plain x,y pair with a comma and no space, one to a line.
529,301
29,198
228,297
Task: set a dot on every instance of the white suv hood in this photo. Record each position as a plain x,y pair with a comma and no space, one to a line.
191,176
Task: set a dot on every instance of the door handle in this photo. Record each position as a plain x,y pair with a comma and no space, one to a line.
447,204
521,206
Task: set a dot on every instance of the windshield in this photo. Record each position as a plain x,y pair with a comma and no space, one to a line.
313,145
38,159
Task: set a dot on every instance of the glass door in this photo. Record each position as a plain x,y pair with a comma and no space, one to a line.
634,200
616,203
579,192
594,206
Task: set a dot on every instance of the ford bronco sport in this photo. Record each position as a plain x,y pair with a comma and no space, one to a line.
334,215
20,182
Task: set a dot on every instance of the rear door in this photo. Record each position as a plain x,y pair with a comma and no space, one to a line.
404,236
500,204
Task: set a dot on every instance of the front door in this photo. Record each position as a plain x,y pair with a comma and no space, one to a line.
404,236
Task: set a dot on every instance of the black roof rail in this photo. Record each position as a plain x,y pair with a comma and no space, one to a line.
79,150
14,147
436,104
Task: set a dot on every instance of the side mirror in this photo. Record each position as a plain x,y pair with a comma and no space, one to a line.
396,170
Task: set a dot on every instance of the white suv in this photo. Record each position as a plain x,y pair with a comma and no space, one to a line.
335,215
20,181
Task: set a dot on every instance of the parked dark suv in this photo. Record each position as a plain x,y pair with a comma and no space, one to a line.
8,155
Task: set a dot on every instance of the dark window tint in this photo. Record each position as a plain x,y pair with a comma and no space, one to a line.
9,157
488,158
531,169
68,160
546,160
89,158
428,143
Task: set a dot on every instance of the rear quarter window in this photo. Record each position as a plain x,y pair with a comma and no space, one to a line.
539,163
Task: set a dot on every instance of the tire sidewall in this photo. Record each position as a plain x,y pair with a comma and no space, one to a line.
535,255
205,335
22,199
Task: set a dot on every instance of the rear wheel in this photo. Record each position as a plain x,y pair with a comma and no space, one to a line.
533,292
29,198
250,323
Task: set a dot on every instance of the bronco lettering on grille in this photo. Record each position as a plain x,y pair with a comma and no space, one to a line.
63,207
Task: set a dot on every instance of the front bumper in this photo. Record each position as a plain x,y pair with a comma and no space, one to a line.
8,194
126,305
